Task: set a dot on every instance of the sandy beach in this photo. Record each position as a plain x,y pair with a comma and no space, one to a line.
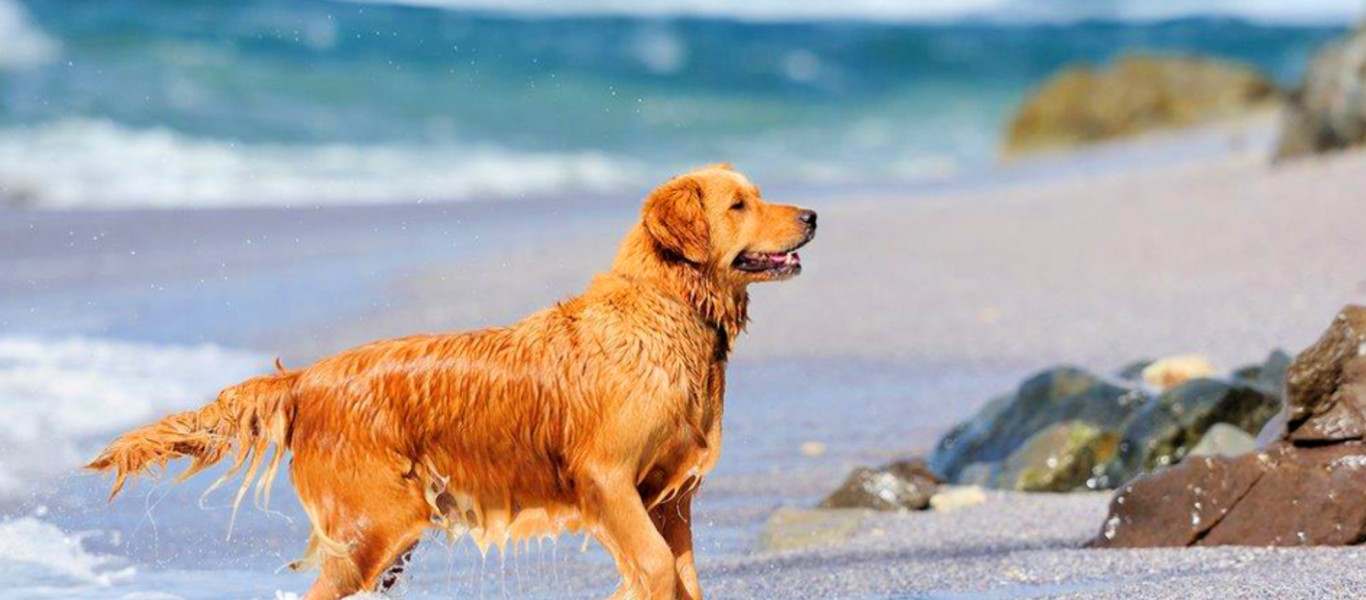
914,308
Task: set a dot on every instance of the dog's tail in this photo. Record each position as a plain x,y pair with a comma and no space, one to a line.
251,416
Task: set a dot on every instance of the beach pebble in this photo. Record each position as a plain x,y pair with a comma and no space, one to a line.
952,498
1166,373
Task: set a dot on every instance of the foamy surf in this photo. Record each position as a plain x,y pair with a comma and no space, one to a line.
36,555
60,399
83,163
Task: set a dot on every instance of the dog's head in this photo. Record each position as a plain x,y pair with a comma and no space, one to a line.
715,218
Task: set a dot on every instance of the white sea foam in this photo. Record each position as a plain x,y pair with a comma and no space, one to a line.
79,163
24,44
1270,11
60,399
38,554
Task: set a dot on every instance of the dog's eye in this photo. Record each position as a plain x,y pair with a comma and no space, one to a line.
738,205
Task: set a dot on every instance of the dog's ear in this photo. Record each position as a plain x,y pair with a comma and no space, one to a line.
673,216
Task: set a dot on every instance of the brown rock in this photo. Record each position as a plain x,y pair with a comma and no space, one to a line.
1306,497
1177,506
1325,385
1304,489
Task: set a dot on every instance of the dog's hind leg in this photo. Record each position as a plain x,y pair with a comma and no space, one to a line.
673,518
376,552
365,524
620,522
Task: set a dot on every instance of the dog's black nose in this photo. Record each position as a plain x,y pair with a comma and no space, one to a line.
808,217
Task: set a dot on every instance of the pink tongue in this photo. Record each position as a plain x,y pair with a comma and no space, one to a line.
783,258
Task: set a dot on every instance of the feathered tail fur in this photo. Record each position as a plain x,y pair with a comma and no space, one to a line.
251,416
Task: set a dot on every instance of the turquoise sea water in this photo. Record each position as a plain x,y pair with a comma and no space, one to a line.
142,102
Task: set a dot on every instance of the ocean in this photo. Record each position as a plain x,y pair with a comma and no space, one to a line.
142,103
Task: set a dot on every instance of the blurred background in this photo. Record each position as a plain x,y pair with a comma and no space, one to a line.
203,103
189,189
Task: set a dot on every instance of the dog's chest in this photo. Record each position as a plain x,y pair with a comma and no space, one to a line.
689,438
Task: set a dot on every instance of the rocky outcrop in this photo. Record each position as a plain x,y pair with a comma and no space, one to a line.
902,485
1328,112
1136,94
1066,429
1304,489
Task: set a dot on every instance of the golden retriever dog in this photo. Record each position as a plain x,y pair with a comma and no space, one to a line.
601,414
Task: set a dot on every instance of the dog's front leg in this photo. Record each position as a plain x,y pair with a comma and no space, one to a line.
673,519
623,526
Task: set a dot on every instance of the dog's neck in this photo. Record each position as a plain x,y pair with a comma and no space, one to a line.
721,304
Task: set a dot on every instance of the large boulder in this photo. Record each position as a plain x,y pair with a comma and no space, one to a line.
1304,489
1328,112
1136,94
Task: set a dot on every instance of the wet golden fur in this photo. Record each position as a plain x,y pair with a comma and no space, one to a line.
602,413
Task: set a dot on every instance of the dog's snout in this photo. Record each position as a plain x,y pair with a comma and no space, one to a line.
808,217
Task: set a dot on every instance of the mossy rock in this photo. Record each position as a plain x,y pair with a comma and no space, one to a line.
1136,94
1061,458
1058,395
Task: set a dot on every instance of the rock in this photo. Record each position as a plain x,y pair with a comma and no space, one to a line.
1060,458
1303,489
903,485
1328,112
794,529
1167,373
1164,429
1134,370
1325,389
979,474
952,498
1283,496
1223,439
1177,506
1270,374
1136,94
1066,429
813,449
1053,396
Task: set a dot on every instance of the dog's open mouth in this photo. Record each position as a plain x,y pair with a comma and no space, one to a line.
772,263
